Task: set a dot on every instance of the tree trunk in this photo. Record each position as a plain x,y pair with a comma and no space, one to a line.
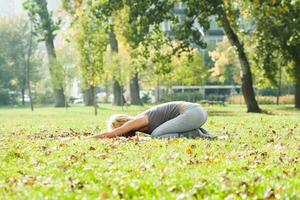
295,55
279,86
56,70
106,93
297,95
297,83
119,99
246,75
113,41
27,70
23,95
157,92
95,101
59,98
89,96
135,90
56,73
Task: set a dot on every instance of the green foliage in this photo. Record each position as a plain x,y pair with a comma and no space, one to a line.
189,70
146,99
45,28
158,50
15,35
271,91
142,31
92,43
44,98
44,25
226,68
258,160
6,98
276,36
139,19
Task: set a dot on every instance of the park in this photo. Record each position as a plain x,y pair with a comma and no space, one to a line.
149,99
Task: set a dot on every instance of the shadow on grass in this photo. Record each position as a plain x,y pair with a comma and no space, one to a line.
225,113
288,108
281,110
235,112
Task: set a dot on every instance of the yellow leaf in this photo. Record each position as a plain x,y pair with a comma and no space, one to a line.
188,150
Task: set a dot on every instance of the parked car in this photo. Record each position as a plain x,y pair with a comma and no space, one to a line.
76,100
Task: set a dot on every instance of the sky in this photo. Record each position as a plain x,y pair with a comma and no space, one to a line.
10,8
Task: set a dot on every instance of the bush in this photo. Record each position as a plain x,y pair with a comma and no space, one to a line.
268,91
215,97
287,99
46,98
146,98
4,98
186,96
266,99
7,98
285,90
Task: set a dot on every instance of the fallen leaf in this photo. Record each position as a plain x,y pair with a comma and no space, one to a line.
188,150
104,195
269,194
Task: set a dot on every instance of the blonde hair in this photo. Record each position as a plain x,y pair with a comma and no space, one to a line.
117,120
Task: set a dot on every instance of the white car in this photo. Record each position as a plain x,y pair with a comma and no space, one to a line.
78,101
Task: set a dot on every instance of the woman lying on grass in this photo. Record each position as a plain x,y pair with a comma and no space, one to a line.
173,119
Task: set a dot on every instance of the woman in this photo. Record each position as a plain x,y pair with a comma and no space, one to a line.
173,119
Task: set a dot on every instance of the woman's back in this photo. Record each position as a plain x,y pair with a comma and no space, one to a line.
159,114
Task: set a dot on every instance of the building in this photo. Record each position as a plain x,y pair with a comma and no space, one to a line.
212,37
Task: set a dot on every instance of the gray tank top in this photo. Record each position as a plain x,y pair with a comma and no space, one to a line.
159,114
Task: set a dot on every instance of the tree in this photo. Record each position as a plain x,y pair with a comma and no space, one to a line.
68,58
224,11
115,14
122,30
45,28
19,58
144,15
226,63
107,25
277,38
27,69
92,43
10,61
119,99
189,71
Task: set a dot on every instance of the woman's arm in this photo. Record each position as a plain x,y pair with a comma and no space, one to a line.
133,125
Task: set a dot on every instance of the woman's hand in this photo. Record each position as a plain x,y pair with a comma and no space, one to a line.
101,136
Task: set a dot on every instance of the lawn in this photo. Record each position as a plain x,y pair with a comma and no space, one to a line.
259,160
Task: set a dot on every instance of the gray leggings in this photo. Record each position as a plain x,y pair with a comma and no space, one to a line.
192,117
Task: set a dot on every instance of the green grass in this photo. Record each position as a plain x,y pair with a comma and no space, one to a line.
260,158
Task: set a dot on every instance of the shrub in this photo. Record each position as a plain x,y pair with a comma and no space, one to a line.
4,98
215,97
285,90
45,98
146,98
287,99
186,96
8,98
266,100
